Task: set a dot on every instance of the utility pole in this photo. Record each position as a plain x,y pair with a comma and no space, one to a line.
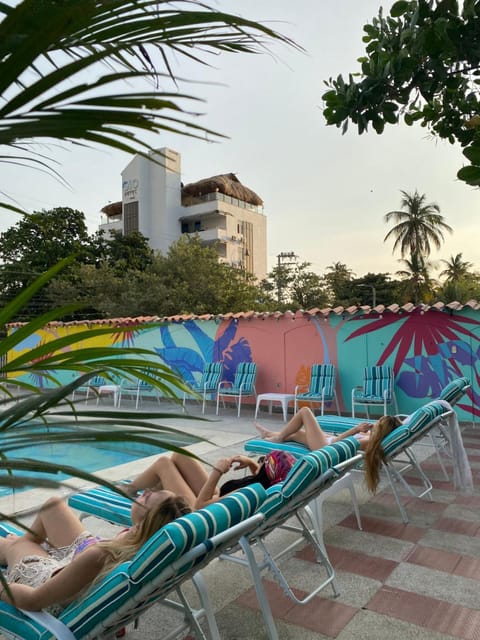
284,259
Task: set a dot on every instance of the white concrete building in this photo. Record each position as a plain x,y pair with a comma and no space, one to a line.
220,209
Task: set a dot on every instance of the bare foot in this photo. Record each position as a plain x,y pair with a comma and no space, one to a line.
266,434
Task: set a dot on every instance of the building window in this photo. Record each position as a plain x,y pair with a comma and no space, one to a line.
184,227
130,217
197,226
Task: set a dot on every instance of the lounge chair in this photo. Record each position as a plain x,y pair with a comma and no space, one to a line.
243,385
208,384
295,499
377,389
395,445
300,496
172,556
321,388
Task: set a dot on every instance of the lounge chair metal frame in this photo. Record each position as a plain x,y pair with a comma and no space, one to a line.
137,389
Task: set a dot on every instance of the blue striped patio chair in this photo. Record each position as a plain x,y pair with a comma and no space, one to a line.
243,385
137,390
377,390
172,556
208,384
321,388
91,388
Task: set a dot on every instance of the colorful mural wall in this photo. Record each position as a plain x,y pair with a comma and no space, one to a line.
426,349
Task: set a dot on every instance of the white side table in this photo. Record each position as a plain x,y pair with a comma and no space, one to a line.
108,389
283,398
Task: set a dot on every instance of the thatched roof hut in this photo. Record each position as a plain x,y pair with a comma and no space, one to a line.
227,184
112,209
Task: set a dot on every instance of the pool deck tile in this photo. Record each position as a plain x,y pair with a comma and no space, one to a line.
442,536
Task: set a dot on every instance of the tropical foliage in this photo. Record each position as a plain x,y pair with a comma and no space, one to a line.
62,65
421,64
418,226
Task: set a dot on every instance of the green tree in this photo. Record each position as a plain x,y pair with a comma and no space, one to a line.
460,283
198,283
417,285
128,252
62,82
294,287
339,281
421,63
35,244
455,269
375,286
417,226
189,279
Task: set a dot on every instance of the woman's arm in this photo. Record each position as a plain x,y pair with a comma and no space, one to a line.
62,587
208,493
245,461
362,427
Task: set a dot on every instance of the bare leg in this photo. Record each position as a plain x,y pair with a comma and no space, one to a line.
55,522
182,475
302,428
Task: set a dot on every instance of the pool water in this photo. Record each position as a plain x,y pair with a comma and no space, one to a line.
87,457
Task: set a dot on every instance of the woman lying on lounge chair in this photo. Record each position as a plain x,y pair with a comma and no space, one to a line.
58,558
186,477
304,428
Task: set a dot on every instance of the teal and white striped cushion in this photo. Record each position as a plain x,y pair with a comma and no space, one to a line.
315,463
392,443
376,381
454,390
424,415
259,446
103,503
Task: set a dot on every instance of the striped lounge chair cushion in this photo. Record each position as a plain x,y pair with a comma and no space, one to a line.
424,415
306,470
454,390
158,553
103,503
259,446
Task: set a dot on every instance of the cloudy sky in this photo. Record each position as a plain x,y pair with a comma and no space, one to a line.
325,194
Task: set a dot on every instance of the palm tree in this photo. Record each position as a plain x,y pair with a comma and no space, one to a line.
417,284
61,65
455,269
418,226
459,280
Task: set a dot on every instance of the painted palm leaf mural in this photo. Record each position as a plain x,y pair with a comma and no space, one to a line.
427,355
189,361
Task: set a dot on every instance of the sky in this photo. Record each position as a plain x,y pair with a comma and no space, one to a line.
325,194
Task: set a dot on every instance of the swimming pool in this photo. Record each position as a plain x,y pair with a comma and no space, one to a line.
90,457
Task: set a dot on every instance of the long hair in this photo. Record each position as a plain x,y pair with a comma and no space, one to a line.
374,454
121,549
